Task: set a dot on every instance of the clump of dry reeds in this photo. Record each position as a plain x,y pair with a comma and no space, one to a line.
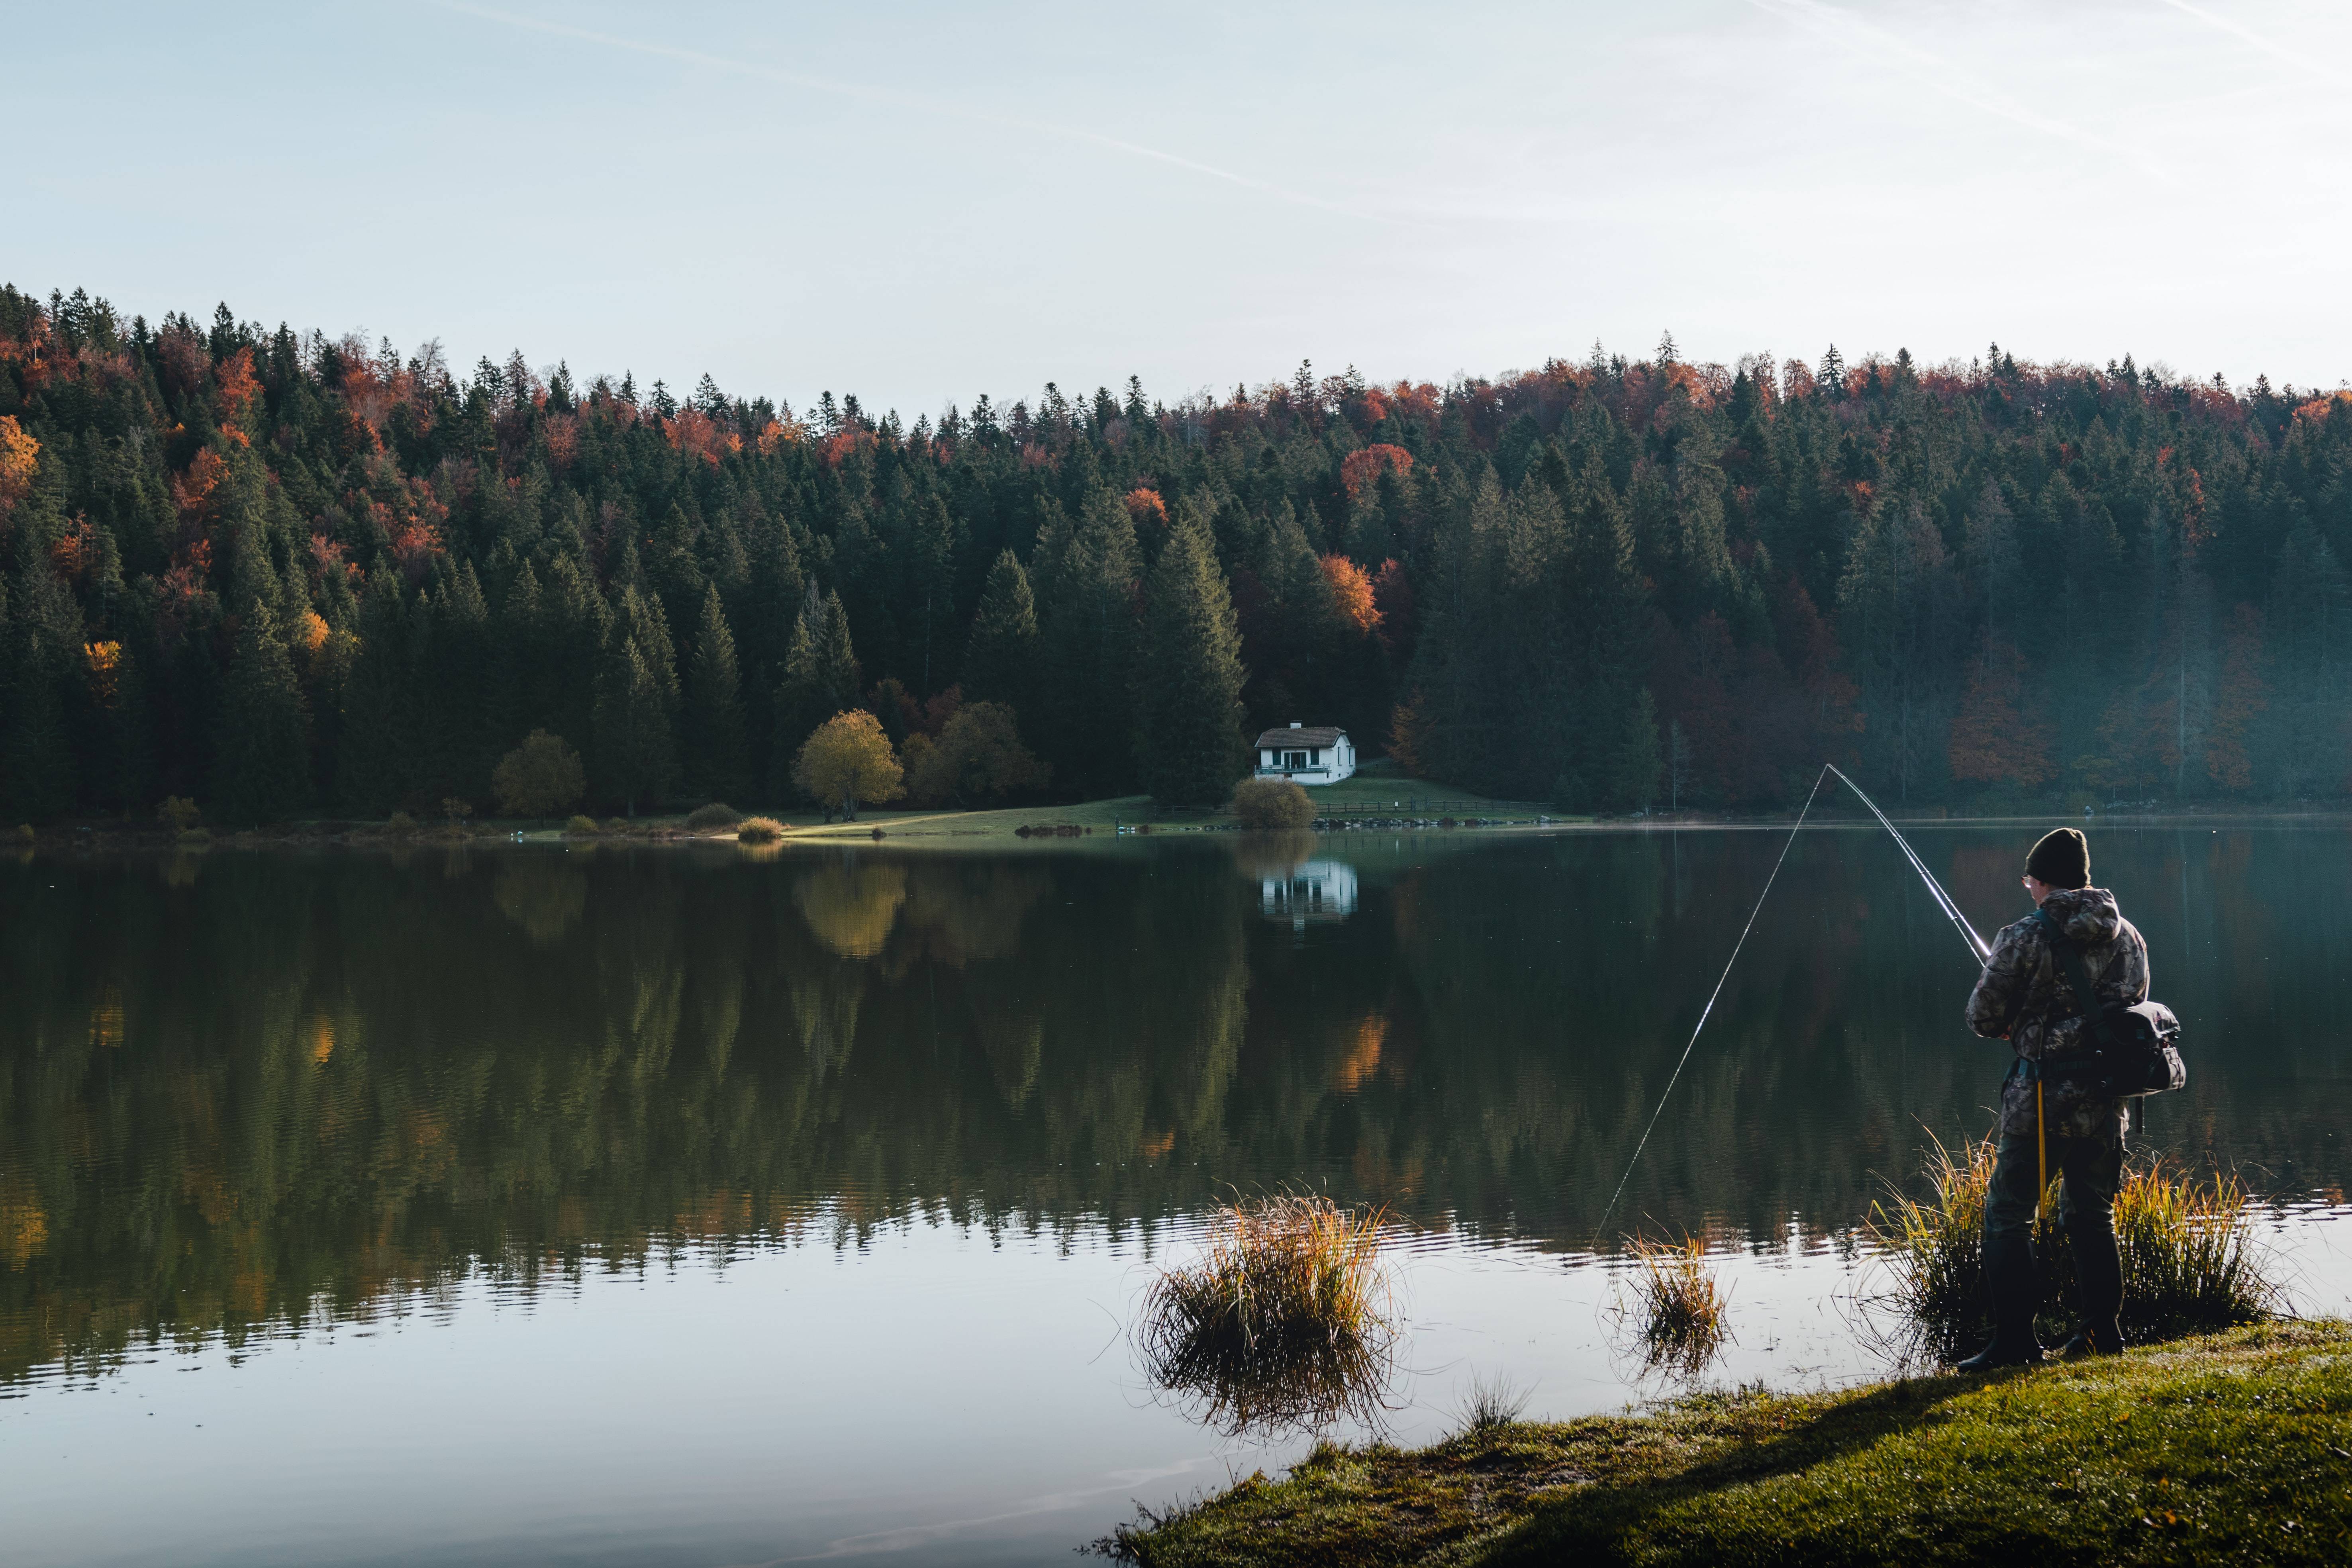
1284,1320
2191,1260
759,830
1678,1304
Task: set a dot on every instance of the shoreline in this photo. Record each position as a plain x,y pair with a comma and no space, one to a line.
1001,829
1095,822
2233,1446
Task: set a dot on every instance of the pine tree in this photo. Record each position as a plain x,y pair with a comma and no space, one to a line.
264,757
820,679
1189,712
635,759
376,769
1000,661
716,764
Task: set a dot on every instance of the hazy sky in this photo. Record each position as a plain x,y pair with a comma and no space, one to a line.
918,204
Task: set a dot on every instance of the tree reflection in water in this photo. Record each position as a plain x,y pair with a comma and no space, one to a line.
240,1090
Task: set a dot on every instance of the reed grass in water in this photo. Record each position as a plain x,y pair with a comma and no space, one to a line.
1284,1322
2191,1264
1678,1304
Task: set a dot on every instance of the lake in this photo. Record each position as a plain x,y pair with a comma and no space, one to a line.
518,1203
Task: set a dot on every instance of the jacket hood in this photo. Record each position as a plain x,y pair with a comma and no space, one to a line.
2088,915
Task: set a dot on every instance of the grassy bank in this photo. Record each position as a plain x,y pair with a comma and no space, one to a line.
2234,1448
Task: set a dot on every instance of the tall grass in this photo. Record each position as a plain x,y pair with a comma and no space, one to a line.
2190,1261
1491,1404
1678,1307
1284,1320
759,830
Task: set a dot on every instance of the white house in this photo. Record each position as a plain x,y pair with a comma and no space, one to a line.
1311,756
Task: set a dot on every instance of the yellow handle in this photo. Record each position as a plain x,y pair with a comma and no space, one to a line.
2040,1153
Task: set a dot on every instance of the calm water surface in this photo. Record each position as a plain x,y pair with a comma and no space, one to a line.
676,1206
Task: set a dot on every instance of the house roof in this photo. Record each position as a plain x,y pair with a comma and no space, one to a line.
1311,736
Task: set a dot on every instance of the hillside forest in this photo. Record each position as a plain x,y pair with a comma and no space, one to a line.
290,577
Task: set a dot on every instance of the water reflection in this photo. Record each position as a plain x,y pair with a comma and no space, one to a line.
240,1090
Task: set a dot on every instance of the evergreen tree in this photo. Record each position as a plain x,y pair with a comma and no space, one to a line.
820,677
1188,710
1000,661
264,757
377,768
716,764
636,758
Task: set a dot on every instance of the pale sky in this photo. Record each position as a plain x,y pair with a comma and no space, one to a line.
919,204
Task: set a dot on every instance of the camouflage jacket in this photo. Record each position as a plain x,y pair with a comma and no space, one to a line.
2023,995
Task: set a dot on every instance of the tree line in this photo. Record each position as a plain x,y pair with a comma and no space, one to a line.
286,575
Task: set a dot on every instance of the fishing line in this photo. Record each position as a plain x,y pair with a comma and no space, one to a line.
1977,949
1711,996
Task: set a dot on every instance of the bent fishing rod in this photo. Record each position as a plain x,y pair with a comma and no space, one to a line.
1977,948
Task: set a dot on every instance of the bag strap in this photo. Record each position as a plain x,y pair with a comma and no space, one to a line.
2069,955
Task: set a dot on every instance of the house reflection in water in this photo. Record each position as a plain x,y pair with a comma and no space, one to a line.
1312,890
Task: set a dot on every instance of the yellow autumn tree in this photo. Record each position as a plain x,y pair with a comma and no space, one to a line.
20,457
847,762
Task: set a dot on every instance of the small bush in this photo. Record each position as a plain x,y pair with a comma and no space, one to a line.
1491,1405
2191,1264
1284,1322
582,826
400,822
1678,1303
177,813
759,830
718,813
1276,804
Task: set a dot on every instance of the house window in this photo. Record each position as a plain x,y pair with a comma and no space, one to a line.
1315,756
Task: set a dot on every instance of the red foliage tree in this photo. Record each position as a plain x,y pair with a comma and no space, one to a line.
1997,736
1365,467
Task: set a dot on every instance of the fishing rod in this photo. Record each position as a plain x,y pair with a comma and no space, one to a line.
1977,947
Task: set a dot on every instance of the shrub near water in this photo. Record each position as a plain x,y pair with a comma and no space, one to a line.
580,826
1276,804
2190,1264
718,813
1678,1302
1283,1321
759,830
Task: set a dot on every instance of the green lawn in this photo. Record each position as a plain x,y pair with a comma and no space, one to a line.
2236,1448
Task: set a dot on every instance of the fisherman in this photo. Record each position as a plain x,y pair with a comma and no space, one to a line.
2023,997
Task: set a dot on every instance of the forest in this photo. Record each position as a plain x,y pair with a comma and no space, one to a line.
287,577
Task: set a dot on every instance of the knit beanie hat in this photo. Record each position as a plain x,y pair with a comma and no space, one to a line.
2063,859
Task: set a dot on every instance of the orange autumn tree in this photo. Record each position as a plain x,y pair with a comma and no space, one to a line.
20,459
1998,738
2242,695
1351,595
1362,468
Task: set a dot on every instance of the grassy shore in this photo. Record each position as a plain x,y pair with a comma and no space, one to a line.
2233,1448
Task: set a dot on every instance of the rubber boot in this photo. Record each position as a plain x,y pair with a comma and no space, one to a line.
2099,1281
2009,1279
